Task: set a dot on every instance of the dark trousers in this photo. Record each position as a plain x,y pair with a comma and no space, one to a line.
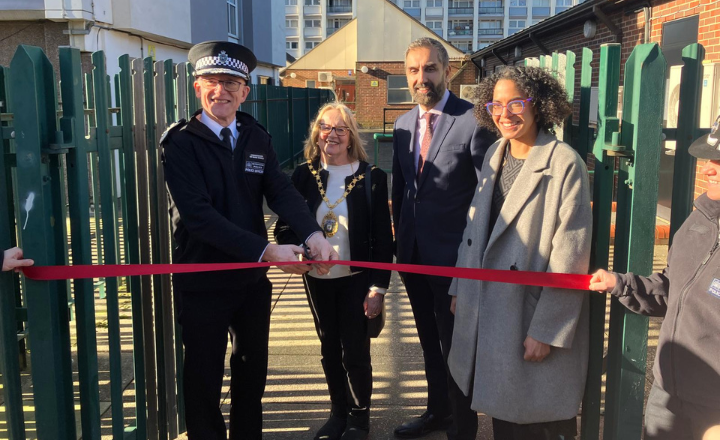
670,418
207,318
431,308
337,308
559,430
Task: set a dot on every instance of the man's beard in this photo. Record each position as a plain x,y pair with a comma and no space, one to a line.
430,98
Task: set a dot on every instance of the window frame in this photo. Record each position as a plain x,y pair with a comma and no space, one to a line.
232,18
389,89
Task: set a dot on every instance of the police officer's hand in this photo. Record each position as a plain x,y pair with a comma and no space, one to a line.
286,252
13,260
602,281
321,250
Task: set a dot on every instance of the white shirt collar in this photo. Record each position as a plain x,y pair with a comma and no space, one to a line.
438,109
215,127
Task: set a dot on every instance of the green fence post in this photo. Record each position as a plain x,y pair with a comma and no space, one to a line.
603,182
73,126
635,236
570,89
683,187
151,134
143,192
131,230
106,172
9,350
582,144
34,106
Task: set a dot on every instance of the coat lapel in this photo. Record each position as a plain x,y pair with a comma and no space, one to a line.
479,212
530,176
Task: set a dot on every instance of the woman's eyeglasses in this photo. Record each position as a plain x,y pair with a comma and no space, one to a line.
327,129
230,86
516,107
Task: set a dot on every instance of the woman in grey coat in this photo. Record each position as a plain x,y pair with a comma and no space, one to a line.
521,351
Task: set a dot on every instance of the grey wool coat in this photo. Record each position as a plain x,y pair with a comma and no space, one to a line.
544,226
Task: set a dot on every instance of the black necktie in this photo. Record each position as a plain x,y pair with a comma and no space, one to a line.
227,137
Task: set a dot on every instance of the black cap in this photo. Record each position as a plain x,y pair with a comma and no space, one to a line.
222,57
708,146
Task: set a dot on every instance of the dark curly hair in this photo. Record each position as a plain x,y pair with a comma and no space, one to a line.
549,98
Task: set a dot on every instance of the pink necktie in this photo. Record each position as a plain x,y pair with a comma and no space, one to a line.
426,141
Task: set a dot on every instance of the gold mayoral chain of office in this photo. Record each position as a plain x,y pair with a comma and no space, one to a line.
330,222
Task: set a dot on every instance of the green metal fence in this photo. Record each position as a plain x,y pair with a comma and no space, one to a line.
633,142
82,184
60,159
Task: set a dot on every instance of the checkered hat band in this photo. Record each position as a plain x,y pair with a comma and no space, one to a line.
231,63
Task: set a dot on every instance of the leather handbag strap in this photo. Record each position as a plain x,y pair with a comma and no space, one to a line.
368,197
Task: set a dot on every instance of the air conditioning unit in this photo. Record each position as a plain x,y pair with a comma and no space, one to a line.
325,76
710,101
467,92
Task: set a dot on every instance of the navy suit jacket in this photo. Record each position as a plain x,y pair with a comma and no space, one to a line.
432,210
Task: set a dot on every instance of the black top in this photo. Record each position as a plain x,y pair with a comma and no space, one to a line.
216,200
506,178
305,182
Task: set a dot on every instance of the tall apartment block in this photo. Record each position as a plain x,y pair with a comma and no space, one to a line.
468,25
309,22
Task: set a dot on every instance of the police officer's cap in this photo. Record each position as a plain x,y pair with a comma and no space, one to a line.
222,57
708,146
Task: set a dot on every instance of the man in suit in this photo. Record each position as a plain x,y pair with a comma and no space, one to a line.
438,150
219,166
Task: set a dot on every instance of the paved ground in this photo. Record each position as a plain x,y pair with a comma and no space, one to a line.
296,401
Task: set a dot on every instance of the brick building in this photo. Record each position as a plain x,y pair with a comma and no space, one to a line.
368,73
673,24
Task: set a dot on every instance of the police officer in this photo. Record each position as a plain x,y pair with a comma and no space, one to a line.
218,167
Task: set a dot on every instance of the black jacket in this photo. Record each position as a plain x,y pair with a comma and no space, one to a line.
687,293
216,200
358,215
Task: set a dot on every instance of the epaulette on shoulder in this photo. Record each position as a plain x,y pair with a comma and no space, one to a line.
175,126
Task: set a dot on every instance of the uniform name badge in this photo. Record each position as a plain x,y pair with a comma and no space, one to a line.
714,288
255,163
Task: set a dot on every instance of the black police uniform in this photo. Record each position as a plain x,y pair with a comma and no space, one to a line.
216,207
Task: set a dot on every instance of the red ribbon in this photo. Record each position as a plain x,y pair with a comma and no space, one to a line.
543,279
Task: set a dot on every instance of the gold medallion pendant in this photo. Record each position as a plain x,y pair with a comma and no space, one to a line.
330,224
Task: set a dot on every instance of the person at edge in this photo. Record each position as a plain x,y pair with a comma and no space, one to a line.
521,352
684,401
333,182
13,260
438,150
218,167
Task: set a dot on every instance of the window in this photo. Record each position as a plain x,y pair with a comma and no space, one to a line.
515,26
541,3
312,23
291,23
465,46
311,44
232,18
518,2
312,2
290,2
461,4
490,24
563,2
482,44
310,83
398,91
411,4
434,24
434,3
336,23
291,45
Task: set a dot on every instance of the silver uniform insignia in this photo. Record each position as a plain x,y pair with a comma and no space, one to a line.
172,127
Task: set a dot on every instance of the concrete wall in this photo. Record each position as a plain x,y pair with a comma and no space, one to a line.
164,19
263,29
209,20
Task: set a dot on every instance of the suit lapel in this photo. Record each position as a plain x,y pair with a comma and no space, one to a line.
530,176
408,155
442,128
